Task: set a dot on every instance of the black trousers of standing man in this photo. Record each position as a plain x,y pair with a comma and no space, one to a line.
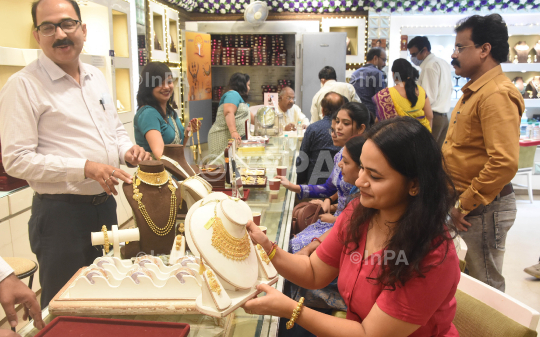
59,230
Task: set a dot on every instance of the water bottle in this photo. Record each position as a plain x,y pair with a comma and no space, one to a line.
536,131
299,129
523,125
529,131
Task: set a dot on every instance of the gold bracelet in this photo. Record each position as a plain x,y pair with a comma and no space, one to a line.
105,239
272,253
295,314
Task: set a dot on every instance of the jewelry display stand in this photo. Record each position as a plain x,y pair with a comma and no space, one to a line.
176,152
215,230
522,51
114,237
111,286
537,50
157,232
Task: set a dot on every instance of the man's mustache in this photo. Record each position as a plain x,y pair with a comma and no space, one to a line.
456,63
62,43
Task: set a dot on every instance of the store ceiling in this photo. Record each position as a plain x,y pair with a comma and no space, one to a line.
347,6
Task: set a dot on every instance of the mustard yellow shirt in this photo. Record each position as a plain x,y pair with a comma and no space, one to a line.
481,149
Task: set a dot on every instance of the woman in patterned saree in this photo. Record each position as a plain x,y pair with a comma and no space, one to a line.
156,123
406,98
232,113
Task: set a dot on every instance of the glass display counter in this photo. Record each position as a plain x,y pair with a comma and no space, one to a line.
276,214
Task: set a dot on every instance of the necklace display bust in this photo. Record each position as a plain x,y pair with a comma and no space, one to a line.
176,152
522,51
154,204
216,231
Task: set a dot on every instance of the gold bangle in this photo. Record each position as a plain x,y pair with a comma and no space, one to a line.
295,314
272,253
105,239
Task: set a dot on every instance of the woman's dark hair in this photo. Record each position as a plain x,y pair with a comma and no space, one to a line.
358,113
406,73
153,75
238,82
354,147
488,29
411,150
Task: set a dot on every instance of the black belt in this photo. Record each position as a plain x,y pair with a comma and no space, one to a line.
507,189
76,198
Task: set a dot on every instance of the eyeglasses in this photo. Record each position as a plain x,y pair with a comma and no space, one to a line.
416,54
49,29
291,99
460,49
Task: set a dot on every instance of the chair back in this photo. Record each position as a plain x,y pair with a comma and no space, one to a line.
526,156
491,310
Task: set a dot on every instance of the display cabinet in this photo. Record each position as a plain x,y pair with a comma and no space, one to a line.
173,36
157,41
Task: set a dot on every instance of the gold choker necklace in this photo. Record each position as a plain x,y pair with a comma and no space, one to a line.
231,247
155,179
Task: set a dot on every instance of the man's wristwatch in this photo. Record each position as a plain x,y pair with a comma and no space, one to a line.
459,208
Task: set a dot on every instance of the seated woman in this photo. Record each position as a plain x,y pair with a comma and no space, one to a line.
351,120
232,113
406,98
397,265
156,123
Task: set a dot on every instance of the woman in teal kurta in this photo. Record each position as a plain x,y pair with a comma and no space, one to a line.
156,123
231,116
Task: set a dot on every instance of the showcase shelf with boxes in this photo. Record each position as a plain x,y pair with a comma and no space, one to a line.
268,59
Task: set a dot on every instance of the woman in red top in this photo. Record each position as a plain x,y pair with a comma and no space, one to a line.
397,265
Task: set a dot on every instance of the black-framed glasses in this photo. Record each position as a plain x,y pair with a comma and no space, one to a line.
49,29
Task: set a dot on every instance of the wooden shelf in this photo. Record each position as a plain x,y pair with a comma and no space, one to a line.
520,67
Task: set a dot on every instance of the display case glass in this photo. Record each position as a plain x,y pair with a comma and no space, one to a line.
157,41
173,26
355,28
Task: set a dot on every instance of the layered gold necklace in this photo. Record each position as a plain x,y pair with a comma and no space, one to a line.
231,247
155,179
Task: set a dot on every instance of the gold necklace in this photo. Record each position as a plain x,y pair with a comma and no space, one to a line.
153,179
231,247
137,195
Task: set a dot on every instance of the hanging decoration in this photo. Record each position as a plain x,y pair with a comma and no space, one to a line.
345,6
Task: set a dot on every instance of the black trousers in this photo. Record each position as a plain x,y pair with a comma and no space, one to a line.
60,237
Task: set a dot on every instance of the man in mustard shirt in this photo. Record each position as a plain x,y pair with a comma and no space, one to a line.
481,149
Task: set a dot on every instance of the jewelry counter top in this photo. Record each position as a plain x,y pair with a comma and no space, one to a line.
276,215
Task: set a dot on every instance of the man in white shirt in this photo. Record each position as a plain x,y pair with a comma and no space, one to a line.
291,112
436,79
328,77
14,292
60,131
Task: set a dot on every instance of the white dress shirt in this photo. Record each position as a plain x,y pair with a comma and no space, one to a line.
5,269
341,88
50,125
436,79
294,115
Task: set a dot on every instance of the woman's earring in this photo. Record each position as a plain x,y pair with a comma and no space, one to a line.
413,193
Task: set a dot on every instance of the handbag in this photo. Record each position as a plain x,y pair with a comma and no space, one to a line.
304,214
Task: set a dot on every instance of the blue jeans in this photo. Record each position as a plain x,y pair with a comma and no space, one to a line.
486,239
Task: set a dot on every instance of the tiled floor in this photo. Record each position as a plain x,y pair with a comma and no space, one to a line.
523,250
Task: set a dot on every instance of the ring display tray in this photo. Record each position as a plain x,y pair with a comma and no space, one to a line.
165,292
